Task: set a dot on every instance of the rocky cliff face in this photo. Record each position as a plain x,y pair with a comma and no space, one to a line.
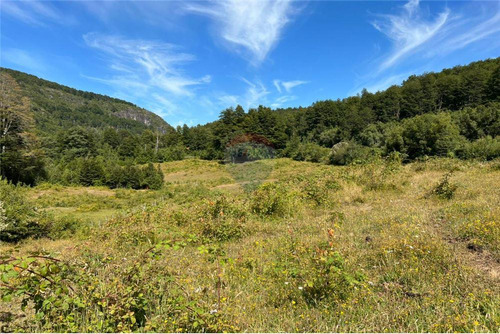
145,117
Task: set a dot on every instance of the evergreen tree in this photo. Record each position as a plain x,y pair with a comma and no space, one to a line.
152,178
91,172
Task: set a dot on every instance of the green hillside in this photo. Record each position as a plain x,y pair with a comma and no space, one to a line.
57,107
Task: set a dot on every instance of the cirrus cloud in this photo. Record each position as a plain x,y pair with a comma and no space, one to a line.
253,26
157,63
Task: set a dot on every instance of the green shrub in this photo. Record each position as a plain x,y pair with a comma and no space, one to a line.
486,148
115,177
327,278
132,177
445,189
317,276
19,219
318,187
330,137
372,135
64,226
249,151
478,122
311,152
345,153
431,134
72,297
91,173
222,229
152,178
222,220
272,199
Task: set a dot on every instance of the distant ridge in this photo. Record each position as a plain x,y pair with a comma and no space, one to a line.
58,107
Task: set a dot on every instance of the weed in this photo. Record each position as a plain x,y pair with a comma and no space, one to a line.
445,189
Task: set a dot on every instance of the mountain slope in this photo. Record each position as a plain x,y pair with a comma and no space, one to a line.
58,107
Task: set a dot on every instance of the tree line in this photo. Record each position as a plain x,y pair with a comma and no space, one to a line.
455,113
452,113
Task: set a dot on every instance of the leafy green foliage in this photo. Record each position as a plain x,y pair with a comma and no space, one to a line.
63,293
486,148
310,152
222,220
19,219
445,188
248,151
431,135
345,153
272,199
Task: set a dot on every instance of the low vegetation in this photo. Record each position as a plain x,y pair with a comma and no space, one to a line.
380,246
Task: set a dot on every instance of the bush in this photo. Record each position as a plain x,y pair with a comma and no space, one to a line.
115,177
345,153
445,189
68,296
482,121
330,137
152,178
372,135
485,149
222,219
132,177
318,276
65,226
318,188
272,199
311,152
18,218
222,228
327,278
431,134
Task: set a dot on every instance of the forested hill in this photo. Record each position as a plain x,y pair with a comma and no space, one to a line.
441,113
56,107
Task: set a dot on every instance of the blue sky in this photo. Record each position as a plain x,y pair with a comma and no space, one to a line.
186,61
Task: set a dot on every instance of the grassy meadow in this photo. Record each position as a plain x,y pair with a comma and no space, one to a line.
266,246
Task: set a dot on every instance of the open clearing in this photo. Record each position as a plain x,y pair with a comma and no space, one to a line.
277,245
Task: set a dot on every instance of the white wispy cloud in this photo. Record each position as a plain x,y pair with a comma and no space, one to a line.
470,31
419,42
287,85
156,63
165,104
229,100
37,13
149,71
256,93
253,26
278,102
409,30
276,84
23,59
